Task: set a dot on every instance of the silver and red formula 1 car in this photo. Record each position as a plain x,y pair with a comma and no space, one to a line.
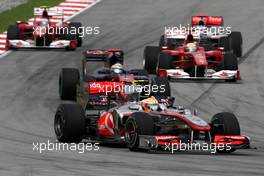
47,30
125,121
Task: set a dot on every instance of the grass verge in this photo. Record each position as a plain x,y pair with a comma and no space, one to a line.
23,12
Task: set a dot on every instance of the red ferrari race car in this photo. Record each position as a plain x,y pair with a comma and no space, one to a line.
191,60
148,124
209,32
47,31
91,87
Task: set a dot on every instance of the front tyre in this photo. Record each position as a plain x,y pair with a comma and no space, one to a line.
225,123
237,43
151,54
69,123
139,123
68,80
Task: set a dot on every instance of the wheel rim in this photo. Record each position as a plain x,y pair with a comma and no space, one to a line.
59,125
131,133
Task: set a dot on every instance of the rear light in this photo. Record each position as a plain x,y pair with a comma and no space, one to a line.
73,44
164,47
220,48
162,73
201,49
7,45
238,76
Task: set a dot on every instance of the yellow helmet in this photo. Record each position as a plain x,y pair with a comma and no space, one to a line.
117,68
150,104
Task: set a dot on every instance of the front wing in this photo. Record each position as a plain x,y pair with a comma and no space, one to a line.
166,142
179,74
30,44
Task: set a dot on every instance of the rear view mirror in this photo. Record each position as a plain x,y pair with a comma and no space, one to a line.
134,107
195,112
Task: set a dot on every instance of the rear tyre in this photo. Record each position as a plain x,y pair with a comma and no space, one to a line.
225,123
69,123
151,59
230,61
68,80
200,71
139,123
163,84
161,42
78,27
13,32
165,61
226,43
237,43
70,37
42,41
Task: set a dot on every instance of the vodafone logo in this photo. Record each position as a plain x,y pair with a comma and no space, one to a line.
95,85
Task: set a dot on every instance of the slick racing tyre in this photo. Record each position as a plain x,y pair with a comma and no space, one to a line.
79,32
165,61
230,61
161,42
225,123
151,59
69,123
139,123
70,37
237,43
164,89
13,32
226,43
68,80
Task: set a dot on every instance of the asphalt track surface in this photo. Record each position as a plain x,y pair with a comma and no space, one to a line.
29,93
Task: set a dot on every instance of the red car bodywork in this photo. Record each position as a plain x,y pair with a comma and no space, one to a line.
208,20
54,31
185,60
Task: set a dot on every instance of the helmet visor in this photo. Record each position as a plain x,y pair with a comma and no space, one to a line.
153,107
117,71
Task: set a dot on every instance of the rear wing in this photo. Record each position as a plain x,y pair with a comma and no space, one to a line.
54,11
110,56
208,20
96,55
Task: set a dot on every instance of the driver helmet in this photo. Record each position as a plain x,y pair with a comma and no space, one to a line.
44,22
150,104
117,69
201,23
191,47
189,39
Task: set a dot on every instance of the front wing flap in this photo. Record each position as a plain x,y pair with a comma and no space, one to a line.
32,44
179,74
